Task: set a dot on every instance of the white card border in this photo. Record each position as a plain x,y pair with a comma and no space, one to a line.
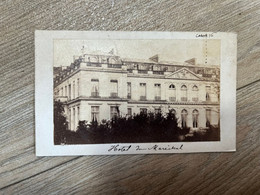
44,94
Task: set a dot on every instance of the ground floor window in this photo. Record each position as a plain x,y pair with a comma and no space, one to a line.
195,115
114,111
95,113
143,110
129,111
184,114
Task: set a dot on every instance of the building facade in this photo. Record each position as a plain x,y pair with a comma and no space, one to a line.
103,86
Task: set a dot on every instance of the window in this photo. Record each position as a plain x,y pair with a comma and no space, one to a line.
114,88
95,113
78,114
172,93
195,92
69,92
208,89
142,91
208,117
129,111
73,88
183,93
184,114
73,119
157,110
195,115
94,87
129,90
61,91
157,91
78,87
66,91
114,111
143,110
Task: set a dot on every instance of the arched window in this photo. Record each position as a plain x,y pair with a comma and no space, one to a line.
172,93
195,115
184,93
172,86
195,92
184,114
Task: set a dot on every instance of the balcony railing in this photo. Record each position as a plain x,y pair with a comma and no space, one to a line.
114,66
113,95
94,64
157,98
158,72
195,99
172,99
142,98
142,71
94,94
184,99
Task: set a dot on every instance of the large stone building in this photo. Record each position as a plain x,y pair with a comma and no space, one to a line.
102,86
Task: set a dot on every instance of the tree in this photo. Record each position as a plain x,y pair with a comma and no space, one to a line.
60,123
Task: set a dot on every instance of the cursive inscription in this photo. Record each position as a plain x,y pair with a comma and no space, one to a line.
118,148
156,147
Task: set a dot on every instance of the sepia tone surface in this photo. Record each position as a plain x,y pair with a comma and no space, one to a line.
108,86
216,173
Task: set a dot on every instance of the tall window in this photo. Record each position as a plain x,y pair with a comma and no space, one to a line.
69,92
94,87
114,88
195,91
66,91
78,114
157,110
208,117
61,91
184,114
142,91
129,111
78,87
73,88
208,89
114,111
73,119
183,93
172,93
129,90
143,110
95,113
69,118
157,91
195,115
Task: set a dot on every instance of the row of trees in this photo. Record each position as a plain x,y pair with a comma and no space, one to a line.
140,128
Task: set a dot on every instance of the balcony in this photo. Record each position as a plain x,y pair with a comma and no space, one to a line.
114,65
157,98
184,99
94,64
142,71
95,94
158,72
113,95
172,99
142,98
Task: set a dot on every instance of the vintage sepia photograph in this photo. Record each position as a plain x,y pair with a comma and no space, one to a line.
109,93
136,91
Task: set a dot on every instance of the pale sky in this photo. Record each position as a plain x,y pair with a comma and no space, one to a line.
168,50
